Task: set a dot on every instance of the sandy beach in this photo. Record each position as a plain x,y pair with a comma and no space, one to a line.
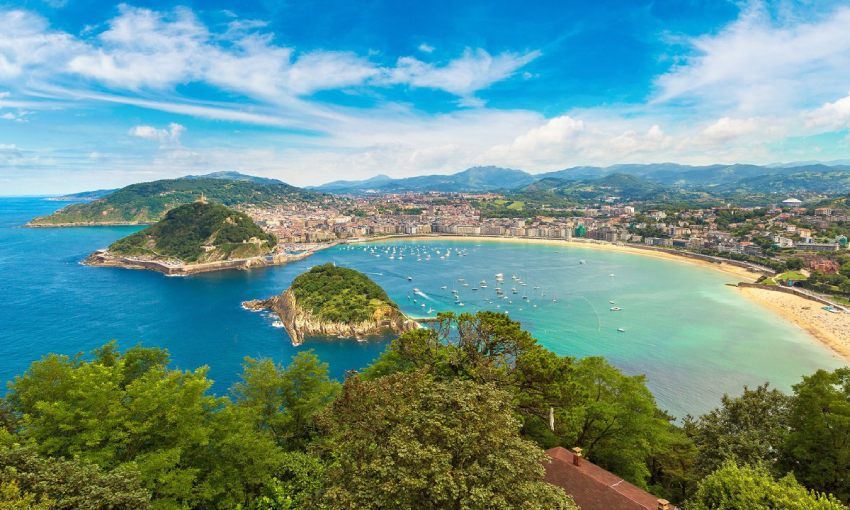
832,329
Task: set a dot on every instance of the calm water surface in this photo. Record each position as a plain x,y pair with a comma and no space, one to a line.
693,336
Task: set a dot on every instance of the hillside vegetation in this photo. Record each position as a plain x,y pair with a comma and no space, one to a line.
198,232
339,294
453,416
147,202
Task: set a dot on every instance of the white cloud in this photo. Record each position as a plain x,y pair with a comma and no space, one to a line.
728,128
763,63
471,72
169,134
426,48
834,115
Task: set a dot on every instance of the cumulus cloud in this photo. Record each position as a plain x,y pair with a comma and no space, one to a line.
834,115
426,48
168,134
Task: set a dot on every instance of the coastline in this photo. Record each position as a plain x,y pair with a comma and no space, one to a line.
102,258
740,273
829,329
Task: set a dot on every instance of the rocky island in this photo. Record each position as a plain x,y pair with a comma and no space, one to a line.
193,238
334,301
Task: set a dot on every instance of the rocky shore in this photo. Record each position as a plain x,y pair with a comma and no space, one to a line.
103,258
300,323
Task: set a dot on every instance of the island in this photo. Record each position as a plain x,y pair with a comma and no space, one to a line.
334,301
193,238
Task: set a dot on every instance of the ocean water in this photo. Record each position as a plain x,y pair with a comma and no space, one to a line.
694,337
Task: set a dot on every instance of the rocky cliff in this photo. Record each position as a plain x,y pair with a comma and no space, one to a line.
300,323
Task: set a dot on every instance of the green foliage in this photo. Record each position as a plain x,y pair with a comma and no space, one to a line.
407,441
339,294
186,230
749,430
148,202
285,401
46,482
611,415
817,449
753,488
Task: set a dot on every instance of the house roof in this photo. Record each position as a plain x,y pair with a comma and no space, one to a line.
594,488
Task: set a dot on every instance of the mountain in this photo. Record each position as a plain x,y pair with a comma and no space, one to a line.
195,233
366,185
235,176
147,202
82,196
624,186
476,179
709,176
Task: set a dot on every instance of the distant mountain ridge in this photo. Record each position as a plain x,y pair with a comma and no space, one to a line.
727,179
484,178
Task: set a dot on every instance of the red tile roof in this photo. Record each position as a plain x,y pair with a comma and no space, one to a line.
594,488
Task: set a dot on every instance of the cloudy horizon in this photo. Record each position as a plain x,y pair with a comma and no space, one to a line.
99,95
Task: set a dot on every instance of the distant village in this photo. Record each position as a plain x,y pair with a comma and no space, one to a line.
759,234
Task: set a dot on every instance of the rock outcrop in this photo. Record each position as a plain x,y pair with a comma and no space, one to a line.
301,323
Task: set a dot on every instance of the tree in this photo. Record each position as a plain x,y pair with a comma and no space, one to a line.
794,264
62,484
613,418
753,488
285,401
817,449
408,441
750,430
130,411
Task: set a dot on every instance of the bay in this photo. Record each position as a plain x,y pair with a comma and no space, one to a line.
694,337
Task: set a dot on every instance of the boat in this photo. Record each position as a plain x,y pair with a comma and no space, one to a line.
612,275
500,277
612,302
513,290
581,261
430,310
416,290
409,278
615,308
444,287
621,330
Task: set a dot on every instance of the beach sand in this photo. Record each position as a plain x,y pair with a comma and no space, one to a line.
832,329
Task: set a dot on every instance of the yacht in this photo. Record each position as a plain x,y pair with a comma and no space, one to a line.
615,308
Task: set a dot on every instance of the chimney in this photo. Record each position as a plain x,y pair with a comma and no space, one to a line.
577,456
663,504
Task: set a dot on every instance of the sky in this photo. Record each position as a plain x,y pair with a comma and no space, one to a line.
97,94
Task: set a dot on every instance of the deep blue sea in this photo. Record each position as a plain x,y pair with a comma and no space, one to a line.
694,337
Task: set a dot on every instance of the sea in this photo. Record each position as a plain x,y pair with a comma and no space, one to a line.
691,335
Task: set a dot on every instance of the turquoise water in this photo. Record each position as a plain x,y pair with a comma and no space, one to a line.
693,336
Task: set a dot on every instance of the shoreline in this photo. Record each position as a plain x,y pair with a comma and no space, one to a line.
742,273
828,328
831,330
102,258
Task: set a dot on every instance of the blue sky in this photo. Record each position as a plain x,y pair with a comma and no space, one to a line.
96,94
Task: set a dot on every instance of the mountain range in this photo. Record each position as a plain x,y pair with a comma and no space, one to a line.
723,179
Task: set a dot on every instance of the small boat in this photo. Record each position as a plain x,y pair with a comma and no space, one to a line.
460,304
615,308
513,290
612,275
581,261
444,287
621,330
612,302
500,277
430,310
410,278
416,290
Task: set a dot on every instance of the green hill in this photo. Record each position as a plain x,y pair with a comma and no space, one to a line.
147,202
339,294
198,232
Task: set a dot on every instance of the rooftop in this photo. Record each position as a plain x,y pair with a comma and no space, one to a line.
594,488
